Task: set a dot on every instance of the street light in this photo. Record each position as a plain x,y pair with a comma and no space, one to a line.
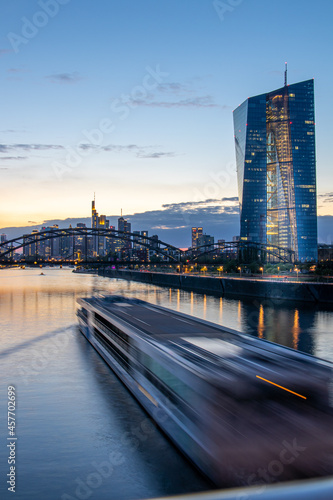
240,271
262,271
220,270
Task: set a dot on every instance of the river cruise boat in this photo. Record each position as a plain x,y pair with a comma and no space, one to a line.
243,410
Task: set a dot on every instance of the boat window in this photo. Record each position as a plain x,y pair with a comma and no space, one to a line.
113,331
113,349
84,312
173,382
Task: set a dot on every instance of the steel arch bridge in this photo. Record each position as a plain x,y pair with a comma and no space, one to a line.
9,247
237,249
243,250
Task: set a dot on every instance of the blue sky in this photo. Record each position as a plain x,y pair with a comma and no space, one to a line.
133,99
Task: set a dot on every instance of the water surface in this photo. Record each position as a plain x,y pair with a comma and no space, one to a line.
80,434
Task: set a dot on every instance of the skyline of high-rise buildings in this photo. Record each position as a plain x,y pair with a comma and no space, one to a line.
276,169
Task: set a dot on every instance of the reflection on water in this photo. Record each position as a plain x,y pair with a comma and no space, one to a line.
296,329
261,323
73,411
30,303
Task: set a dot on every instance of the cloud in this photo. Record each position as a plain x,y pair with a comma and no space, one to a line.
64,78
5,148
16,70
325,195
167,228
212,205
5,51
233,198
174,88
156,155
119,148
13,158
141,151
195,102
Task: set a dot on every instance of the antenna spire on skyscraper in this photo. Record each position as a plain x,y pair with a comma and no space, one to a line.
285,74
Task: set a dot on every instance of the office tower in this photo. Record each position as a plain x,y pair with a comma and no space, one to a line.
276,169
98,240
196,233
204,242
94,214
125,227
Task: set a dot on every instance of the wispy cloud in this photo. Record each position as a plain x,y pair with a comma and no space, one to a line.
164,227
159,154
6,148
195,102
141,151
13,158
233,198
208,207
64,78
5,51
326,197
185,205
16,70
174,88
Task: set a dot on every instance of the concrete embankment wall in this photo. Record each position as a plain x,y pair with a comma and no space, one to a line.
308,292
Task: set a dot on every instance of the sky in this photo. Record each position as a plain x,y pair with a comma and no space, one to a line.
133,100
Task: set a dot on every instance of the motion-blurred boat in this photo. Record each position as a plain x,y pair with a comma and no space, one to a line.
243,410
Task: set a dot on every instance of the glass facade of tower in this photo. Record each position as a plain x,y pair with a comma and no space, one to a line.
276,169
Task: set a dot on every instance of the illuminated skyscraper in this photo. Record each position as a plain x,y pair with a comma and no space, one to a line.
125,227
196,234
98,222
276,169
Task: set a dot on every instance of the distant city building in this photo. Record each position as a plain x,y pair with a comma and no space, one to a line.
125,227
99,242
31,248
221,246
325,252
276,169
205,242
196,233
3,239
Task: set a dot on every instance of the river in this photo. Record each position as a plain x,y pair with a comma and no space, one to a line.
79,433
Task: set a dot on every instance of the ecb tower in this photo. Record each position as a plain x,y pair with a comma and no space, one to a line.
276,169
